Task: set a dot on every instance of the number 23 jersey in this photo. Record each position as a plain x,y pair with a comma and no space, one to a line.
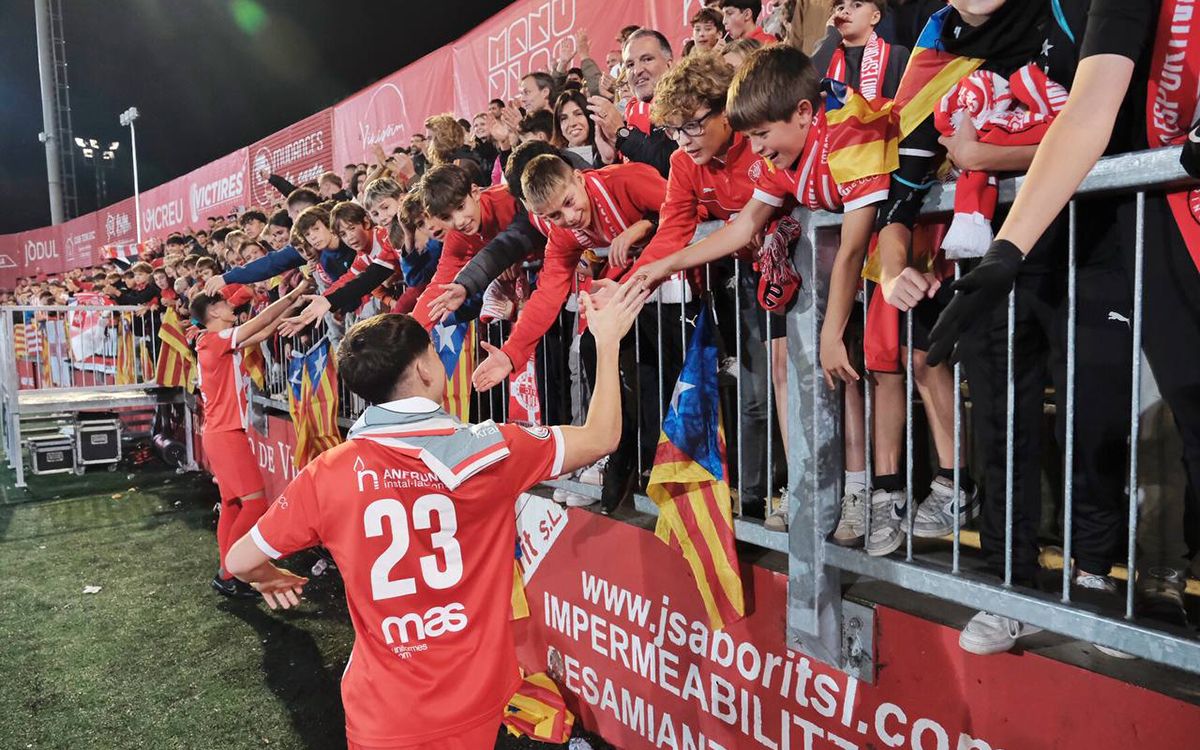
428,576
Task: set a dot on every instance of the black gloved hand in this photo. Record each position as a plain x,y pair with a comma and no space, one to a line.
1190,158
976,294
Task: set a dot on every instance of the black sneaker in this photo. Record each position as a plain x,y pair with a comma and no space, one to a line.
233,588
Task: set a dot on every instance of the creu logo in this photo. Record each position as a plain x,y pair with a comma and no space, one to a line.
169,214
204,197
36,250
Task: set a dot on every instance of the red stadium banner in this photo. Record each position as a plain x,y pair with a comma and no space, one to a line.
163,209
117,224
218,188
11,265
41,251
388,112
81,247
299,153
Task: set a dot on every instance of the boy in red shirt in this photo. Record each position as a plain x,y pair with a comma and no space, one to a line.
471,216
741,20
226,445
418,512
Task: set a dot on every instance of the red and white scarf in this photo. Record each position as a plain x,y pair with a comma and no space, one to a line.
1172,104
871,71
1012,112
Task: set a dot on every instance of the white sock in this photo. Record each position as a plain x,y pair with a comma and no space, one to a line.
856,481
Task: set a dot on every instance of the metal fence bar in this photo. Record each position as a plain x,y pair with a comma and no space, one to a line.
909,515
1069,427
1135,406
1011,400
958,503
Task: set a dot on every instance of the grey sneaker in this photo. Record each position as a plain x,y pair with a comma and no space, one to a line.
935,514
852,523
992,634
777,520
887,522
1107,587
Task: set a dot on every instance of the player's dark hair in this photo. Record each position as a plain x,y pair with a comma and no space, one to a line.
375,354
199,307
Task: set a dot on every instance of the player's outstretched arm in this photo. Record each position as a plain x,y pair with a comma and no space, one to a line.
601,432
725,241
261,326
279,587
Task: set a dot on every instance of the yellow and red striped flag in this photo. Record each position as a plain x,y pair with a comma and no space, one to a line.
254,365
864,136
689,482
126,357
537,710
455,345
313,402
176,362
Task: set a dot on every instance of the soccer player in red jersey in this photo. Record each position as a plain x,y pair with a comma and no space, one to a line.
418,512
471,215
226,445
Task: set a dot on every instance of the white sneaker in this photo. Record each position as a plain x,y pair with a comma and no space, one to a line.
1108,586
572,499
852,523
935,514
993,634
594,474
777,520
887,522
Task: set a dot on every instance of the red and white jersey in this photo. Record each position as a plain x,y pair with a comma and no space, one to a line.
221,384
637,114
427,570
381,252
810,183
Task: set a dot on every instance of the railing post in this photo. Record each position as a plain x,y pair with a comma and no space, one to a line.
814,622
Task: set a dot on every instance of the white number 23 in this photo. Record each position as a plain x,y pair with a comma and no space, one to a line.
383,586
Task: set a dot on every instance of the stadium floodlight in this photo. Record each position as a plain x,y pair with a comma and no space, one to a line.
88,153
80,142
114,145
93,143
126,119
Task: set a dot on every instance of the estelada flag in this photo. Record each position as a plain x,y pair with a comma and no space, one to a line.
175,359
689,482
455,345
537,710
864,136
295,393
319,395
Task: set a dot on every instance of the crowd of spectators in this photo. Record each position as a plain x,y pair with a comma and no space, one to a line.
478,214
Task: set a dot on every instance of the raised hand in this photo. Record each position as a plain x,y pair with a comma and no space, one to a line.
611,322
451,298
495,368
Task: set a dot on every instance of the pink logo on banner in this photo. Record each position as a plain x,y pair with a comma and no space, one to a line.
299,154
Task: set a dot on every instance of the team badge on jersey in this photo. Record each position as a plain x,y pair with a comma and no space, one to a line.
538,431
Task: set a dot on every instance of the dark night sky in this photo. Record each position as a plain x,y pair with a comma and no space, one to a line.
208,76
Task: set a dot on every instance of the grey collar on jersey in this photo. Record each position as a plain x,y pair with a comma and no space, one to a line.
453,451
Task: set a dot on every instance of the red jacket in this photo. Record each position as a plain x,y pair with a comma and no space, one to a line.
619,196
497,208
717,190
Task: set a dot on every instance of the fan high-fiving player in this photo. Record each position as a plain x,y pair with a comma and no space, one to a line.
417,510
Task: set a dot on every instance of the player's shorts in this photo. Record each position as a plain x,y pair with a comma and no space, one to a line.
480,737
233,463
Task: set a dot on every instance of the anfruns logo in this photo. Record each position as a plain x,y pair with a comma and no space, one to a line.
361,471
531,42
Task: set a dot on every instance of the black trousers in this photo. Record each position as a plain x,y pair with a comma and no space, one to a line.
1103,360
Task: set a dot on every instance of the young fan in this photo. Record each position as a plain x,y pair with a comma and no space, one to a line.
226,445
417,510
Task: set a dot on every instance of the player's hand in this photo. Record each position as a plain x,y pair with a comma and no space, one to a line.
976,295
282,589
301,288
316,306
610,323
451,298
835,361
603,291
909,288
492,370
214,285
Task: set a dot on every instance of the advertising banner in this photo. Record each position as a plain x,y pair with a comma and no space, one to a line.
163,209
117,224
11,266
615,619
388,112
219,187
81,247
41,251
298,153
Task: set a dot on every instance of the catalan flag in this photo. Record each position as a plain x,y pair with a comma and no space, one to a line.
864,136
537,710
455,345
313,402
176,363
689,482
